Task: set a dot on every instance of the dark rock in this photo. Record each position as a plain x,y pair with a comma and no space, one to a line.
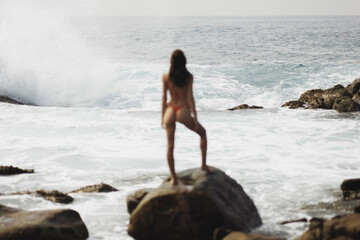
356,97
346,104
250,236
244,106
10,170
133,200
96,189
220,233
341,227
293,104
354,87
6,99
313,98
338,98
350,185
193,211
55,196
62,224
351,189
293,221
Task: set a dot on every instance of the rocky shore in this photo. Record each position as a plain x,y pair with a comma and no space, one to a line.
203,206
339,98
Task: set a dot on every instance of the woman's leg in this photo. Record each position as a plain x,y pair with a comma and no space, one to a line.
183,116
169,121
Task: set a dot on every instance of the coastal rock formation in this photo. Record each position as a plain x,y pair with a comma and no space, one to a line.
10,170
221,234
53,196
95,189
340,227
62,224
244,106
193,209
338,98
6,99
351,189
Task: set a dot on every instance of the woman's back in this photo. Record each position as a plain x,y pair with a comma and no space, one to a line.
179,95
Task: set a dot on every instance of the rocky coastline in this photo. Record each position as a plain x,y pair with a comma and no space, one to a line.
203,206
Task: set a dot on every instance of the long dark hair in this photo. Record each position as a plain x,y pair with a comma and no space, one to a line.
178,72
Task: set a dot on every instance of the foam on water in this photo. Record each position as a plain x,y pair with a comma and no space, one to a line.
284,159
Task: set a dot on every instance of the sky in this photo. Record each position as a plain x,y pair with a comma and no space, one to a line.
186,7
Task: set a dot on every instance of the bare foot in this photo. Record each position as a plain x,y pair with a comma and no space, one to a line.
206,168
173,181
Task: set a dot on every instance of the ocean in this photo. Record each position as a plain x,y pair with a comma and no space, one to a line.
97,84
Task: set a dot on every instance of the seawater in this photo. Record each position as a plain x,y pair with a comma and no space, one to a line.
97,81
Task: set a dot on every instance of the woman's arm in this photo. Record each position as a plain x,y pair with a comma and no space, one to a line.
164,99
191,100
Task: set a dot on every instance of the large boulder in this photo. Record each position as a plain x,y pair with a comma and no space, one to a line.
338,98
340,227
62,224
194,208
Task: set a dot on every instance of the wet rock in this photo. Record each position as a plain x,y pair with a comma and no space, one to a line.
62,224
53,196
244,106
250,236
193,209
10,170
95,189
6,99
339,206
340,227
351,189
133,200
354,87
346,104
225,234
338,98
293,221
293,104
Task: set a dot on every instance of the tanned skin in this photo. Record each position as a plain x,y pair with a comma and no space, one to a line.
181,96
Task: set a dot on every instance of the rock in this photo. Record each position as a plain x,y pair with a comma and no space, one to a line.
194,208
293,221
338,98
339,206
10,170
313,98
55,196
346,104
6,99
95,189
293,104
244,106
354,87
62,224
350,185
133,200
351,189
250,236
341,227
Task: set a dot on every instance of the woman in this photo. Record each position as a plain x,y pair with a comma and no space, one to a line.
179,82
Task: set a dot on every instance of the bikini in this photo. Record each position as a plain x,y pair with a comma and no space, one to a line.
176,108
